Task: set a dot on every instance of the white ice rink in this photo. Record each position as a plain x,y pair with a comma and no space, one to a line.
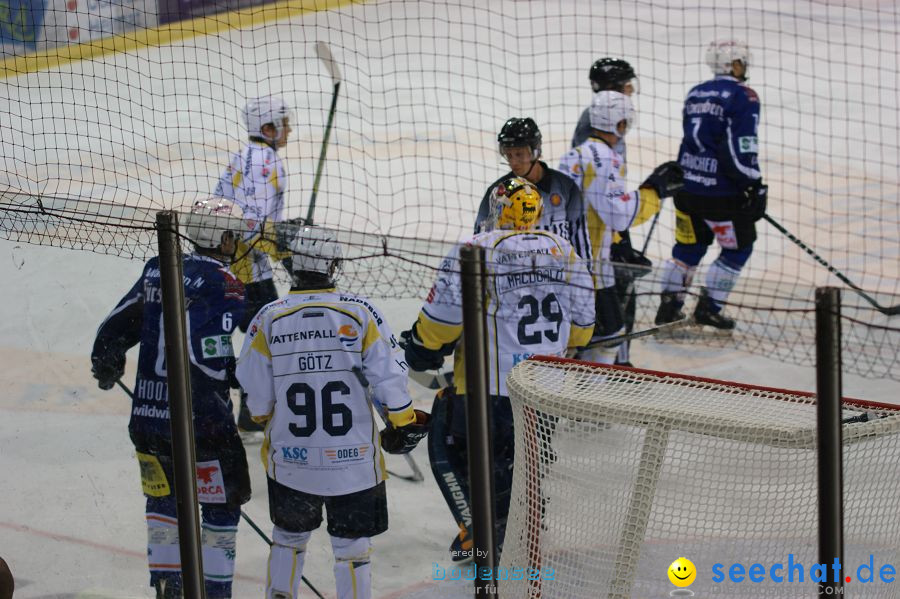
426,88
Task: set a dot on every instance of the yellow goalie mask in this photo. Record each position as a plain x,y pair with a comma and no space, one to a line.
516,204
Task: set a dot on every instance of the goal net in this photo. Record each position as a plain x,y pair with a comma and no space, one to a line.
619,472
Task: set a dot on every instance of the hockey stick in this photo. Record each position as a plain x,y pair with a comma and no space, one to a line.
252,524
417,475
324,54
269,543
654,330
430,380
888,310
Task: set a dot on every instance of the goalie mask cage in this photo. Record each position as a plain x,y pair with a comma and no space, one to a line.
619,472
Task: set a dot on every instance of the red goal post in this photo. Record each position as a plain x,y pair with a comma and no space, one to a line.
620,471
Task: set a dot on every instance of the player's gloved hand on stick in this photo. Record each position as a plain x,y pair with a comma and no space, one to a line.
108,371
667,179
405,438
755,199
418,356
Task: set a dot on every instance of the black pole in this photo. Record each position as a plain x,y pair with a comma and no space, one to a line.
829,438
478,418
171,273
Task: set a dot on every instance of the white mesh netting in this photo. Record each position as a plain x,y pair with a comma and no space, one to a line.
619,472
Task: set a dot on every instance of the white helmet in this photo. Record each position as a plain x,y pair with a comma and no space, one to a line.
721,53
316,250
608,109
208,221
268,110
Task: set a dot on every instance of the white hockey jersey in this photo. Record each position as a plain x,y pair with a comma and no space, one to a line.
303,364
540,300
600,173
255,180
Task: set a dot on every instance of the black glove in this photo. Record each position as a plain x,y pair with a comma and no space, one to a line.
667,179
418,356
622,252
405,438
754,200
107,371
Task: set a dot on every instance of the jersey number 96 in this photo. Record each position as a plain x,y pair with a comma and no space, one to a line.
337,418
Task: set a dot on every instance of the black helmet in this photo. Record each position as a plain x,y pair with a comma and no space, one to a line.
518,132
611,73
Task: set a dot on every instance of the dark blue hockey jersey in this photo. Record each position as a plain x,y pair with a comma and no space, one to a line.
215,305
720,144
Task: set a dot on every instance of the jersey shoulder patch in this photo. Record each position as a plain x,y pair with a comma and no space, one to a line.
750,93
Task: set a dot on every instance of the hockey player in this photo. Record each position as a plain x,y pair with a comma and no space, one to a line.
255,180
519,143
723,193
539,301
215,303
615,74
304,363
600,173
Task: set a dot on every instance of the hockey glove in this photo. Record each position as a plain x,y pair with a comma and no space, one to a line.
755,200
108,371
420,357
622,252
667,179
405,438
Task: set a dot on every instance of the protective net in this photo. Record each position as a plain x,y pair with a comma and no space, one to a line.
114,112
620,472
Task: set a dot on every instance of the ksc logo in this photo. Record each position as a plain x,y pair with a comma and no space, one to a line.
348,335
295,454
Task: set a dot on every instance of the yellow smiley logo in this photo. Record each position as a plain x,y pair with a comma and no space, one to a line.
682,572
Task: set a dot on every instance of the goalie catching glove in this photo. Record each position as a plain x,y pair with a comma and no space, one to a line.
667,179
405,438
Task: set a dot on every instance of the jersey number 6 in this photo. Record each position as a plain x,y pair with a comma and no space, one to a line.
337,419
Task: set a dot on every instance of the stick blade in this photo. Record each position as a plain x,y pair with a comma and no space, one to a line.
323,52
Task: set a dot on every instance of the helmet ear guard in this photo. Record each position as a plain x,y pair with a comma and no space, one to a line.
516,204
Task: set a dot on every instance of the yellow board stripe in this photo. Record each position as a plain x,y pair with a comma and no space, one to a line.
165,34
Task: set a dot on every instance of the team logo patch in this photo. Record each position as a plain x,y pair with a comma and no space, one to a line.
210,483
348,335
555,199
576,169
217,346
749,144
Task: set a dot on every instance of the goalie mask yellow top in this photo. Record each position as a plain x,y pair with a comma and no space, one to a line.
517,205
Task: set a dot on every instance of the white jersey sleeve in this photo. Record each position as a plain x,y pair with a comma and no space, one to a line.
299,365
256,181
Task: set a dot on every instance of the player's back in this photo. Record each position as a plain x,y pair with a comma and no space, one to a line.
537,287
255,180
322,437
719,122
215,303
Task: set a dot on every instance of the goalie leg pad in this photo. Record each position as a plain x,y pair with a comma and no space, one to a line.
447,457
286,558
352,570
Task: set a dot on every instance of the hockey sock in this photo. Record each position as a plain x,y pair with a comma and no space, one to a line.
162,547
218,536
352,570
286,563
677,277
720,280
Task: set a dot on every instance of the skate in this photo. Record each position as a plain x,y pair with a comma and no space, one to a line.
704,314
669,308
461,547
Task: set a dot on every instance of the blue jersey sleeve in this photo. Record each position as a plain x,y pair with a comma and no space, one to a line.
741,131
121,329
